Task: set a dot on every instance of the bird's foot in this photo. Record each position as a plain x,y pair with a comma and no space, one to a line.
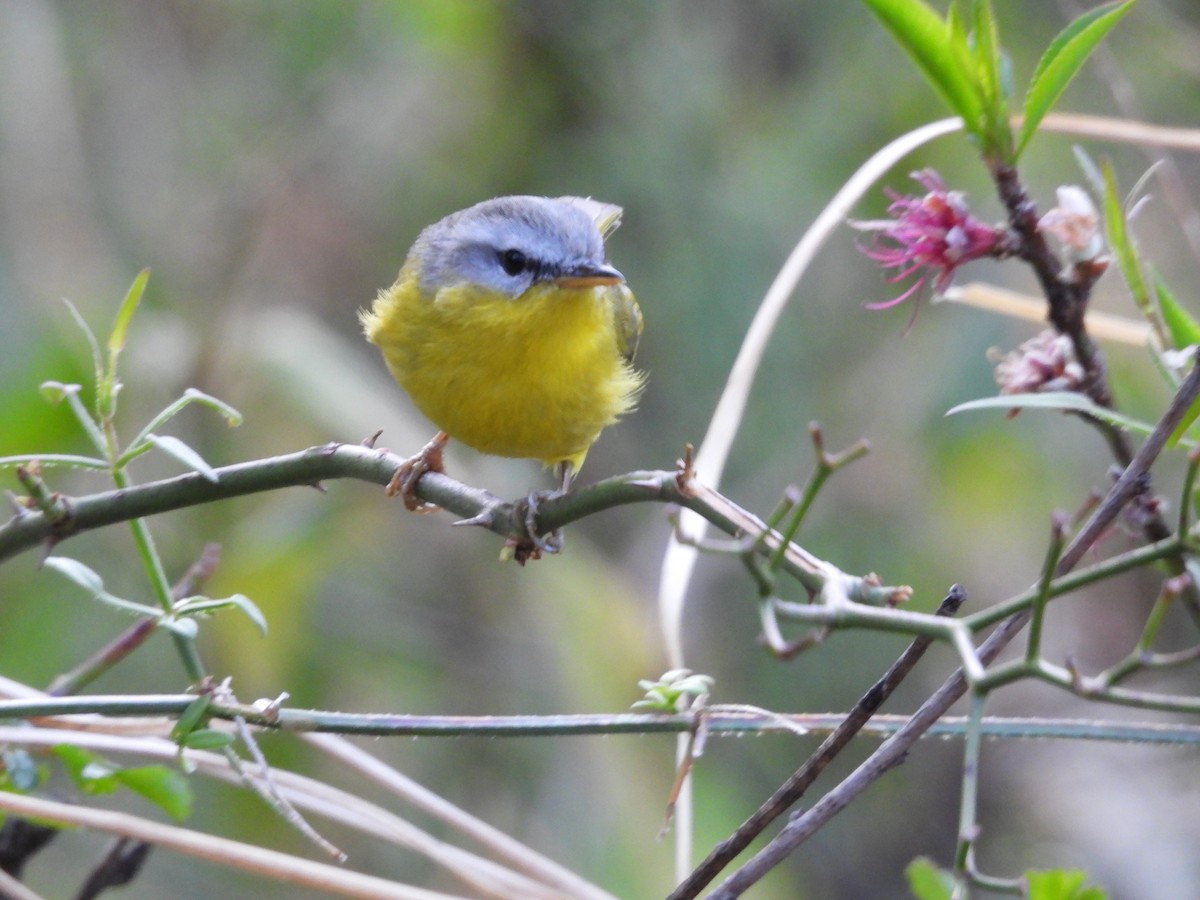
408,473
532,545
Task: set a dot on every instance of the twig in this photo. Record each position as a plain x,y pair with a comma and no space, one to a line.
793,789
895,748
136,634
290,869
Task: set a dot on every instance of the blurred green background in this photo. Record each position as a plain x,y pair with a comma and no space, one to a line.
271,162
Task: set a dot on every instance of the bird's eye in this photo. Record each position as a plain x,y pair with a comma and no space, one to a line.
514,262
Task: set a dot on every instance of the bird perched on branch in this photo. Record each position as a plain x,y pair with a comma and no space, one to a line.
512,333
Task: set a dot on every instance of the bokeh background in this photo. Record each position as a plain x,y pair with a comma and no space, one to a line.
271,162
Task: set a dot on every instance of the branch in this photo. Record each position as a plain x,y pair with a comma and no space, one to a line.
793,789
894,750
134,717
309,468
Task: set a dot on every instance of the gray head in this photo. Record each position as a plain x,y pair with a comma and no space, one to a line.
511,243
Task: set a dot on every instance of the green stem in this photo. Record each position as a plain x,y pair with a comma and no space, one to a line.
160,586
1066,584
1057,539
968,828
717,722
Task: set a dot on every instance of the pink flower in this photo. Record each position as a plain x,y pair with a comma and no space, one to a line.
930,235
1045,362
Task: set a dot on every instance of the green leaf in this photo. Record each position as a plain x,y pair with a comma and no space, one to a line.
83,575
1184,330
191,717
927,881
232,416
93,344
1061,63
116,338
208,739
56,392
50,460
1065,401
108,385
91,774
140,443
1121,242
663,695
174,447
1060,884
940,52
993,78
184,628
193,606
88,579
163,786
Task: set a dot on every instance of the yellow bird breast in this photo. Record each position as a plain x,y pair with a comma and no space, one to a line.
537,376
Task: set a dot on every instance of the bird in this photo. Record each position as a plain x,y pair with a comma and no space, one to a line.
513,334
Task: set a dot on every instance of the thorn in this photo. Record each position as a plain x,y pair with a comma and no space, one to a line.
319,487
685,474
48,546
369,442
270,708
650,484
484,519
20,510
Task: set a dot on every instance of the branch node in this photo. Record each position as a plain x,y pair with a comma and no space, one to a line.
685,473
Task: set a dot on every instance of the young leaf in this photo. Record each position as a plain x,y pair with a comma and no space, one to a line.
207,739
191,717
193,606
54,459
163,786
1183,329
83,575
108,385
232,416
116,338
140,444
1121,241
93,344
1065,401
184,628
944,60
1184,332
91,773
1061,63
993,80
91,582
56,392
174,447
927,881
1060,884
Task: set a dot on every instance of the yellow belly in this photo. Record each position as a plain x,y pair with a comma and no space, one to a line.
538,376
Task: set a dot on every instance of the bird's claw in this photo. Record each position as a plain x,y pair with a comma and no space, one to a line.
533,545
408,473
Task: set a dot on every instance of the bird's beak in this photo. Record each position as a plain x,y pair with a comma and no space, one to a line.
585,275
